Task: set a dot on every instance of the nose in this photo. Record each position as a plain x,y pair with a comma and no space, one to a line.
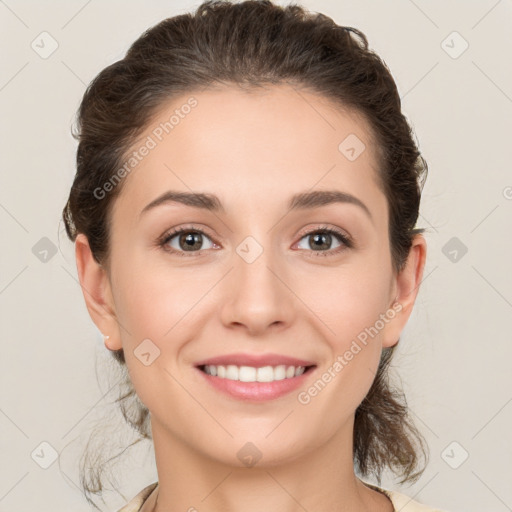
257,295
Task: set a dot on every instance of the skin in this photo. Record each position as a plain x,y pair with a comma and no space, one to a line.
253,150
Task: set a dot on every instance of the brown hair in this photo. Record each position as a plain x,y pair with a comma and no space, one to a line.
249,44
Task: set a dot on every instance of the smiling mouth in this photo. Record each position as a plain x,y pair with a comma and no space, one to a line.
255,374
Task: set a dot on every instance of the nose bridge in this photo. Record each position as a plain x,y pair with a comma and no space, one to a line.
257,296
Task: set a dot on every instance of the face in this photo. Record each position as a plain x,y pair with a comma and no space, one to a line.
257,275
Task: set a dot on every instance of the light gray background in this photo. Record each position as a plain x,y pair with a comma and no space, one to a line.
454,357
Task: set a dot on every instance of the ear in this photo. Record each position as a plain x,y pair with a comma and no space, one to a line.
97,292
406,286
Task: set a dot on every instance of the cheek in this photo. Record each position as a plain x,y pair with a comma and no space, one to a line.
347,300
351,311
151,299
349,303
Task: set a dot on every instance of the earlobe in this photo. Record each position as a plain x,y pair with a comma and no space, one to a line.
107,342
407,287
97,294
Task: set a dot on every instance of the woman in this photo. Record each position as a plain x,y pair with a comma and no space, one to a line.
244,214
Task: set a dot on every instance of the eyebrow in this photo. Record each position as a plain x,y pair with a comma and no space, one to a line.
301,201
317,198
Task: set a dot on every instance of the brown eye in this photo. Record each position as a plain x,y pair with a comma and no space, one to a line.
321,241
186,240
190,241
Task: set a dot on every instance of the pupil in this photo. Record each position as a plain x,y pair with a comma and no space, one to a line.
190,239
319,237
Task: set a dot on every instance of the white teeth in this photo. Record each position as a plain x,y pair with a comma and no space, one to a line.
247,374
299,371
280,372
232,372
252,374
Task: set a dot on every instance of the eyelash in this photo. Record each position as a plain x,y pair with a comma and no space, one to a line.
342,237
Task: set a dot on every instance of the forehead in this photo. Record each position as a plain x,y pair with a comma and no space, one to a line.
270,143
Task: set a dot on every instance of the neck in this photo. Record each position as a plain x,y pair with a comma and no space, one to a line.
320,480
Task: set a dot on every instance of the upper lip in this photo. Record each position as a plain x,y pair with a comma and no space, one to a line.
255,360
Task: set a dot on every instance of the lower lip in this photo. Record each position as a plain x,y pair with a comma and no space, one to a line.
257,391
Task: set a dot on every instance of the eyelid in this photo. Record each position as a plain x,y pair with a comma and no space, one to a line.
324,227
164,239
344,238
